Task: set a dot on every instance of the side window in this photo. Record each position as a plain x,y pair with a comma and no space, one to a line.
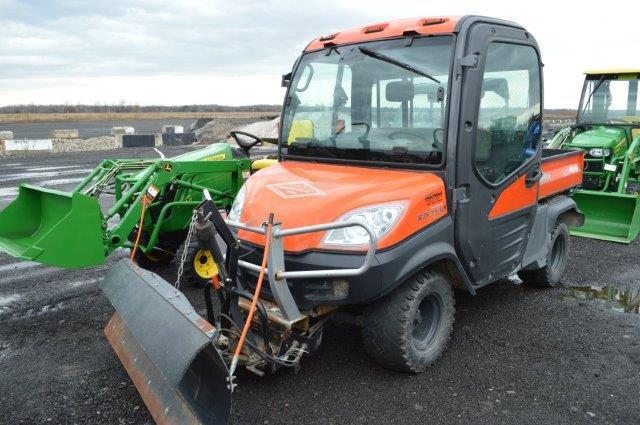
508,130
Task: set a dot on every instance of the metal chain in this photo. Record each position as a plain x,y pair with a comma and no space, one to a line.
187,243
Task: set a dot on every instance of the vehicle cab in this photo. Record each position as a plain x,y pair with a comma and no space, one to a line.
427,130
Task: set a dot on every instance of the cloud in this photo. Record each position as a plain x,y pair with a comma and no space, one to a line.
108,45
86,38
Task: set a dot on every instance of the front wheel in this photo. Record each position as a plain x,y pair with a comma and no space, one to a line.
557,256
199,265
409,329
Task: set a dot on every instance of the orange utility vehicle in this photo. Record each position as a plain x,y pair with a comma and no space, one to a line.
409,164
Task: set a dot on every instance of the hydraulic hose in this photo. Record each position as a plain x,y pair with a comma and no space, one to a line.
254,301
135,245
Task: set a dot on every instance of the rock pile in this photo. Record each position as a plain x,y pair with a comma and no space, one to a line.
91,144
218,129
263,129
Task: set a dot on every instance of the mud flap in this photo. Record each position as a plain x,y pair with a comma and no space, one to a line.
166,348
608,216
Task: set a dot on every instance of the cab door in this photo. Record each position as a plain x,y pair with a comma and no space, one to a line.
498,152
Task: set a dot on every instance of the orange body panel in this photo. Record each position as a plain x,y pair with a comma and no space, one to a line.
303,194
561,174
398,28
514,197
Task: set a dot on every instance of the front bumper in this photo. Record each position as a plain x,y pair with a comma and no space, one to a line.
389,268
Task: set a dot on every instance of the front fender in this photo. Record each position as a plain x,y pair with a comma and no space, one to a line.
426,248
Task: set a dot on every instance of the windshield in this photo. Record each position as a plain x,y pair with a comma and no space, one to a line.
380,101
610,99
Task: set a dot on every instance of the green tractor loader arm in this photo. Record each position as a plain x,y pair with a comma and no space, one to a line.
71,230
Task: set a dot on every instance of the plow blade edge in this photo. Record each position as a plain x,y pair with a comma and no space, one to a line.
166,348
608,216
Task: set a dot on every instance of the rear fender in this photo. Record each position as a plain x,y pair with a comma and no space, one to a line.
564,210
561,209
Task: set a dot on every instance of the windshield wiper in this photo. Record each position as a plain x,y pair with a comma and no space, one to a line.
396,62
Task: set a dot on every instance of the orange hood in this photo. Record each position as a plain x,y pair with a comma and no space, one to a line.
303,194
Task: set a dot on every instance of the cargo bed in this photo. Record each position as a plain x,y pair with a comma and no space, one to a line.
562,171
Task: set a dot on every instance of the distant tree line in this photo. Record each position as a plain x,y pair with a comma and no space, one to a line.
121,107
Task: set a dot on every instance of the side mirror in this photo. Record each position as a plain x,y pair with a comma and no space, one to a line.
286,80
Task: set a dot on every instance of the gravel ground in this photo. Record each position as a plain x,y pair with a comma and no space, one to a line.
517,355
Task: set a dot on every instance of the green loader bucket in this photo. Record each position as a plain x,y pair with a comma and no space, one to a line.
166,348
608,216
54,228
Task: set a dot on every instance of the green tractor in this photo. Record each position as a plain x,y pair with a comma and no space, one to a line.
607,129
151,215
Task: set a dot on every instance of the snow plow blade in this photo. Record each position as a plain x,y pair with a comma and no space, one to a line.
166,348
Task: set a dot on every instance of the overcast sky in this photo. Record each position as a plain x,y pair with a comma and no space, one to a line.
233,52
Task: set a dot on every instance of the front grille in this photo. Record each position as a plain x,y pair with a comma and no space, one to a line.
593,165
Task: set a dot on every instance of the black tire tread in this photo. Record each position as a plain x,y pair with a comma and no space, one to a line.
147,263
188,273
387,337
544,276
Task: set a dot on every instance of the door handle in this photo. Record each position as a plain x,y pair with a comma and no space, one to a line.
533,178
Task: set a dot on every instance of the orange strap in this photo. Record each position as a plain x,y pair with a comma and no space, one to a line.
256,294
215,282
145,201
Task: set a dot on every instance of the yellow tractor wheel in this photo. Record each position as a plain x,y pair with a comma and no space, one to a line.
153,260
203,264
199,265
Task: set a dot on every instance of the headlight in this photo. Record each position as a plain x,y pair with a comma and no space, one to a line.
238,204
380,218
599,152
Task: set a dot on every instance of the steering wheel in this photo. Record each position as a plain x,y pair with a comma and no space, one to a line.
365,137
242,142
437,144
416,137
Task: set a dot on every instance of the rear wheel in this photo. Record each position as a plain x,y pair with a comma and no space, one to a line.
199,265
408,330
557,255
153,260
